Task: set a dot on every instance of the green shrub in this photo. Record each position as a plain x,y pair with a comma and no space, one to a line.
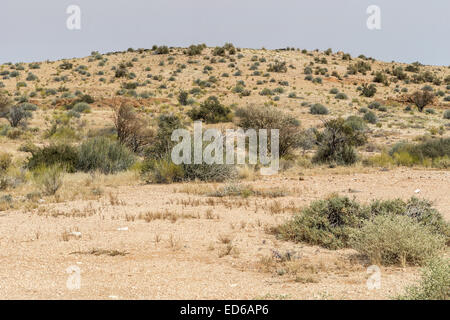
337,141
183,98
380,77
194,50
163,144
5,161
61,154
333,222
370,117
435,282
16,115
429,149
328,223
209,172
394,239
105,155
356,123
258,118
430,152
278,66
161,171
318,109
447,114
28,106
368,90
49,179
334,91
341,96
219,51
360,66
162,50
211,111
81,107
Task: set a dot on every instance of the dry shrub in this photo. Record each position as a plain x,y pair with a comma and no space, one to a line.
435,283
265,117
104,155
393,239
5,161
132,129
49,179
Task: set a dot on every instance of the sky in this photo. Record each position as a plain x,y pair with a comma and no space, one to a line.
411,30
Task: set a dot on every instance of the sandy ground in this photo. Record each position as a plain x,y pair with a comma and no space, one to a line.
184,259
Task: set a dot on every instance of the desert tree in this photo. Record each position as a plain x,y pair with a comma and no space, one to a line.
337,141
421,99
16,115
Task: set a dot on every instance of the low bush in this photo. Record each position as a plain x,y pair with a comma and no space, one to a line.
81,107
338,222
341,96
5,161
194,50
162,50
394,239
337,142
435,282
271,118
318,109
211,111
370,117
334,91
430,153
63,155
209,172
161,171
359,67
16,115
368,90
447,114
49,179
429,149
183,98
277,66
327,223
104,155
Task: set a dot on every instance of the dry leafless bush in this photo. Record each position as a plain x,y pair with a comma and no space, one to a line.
132,130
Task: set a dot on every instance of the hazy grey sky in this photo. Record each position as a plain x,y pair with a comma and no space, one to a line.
34,30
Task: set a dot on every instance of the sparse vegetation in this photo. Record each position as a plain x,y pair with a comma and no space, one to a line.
385,231
80,137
